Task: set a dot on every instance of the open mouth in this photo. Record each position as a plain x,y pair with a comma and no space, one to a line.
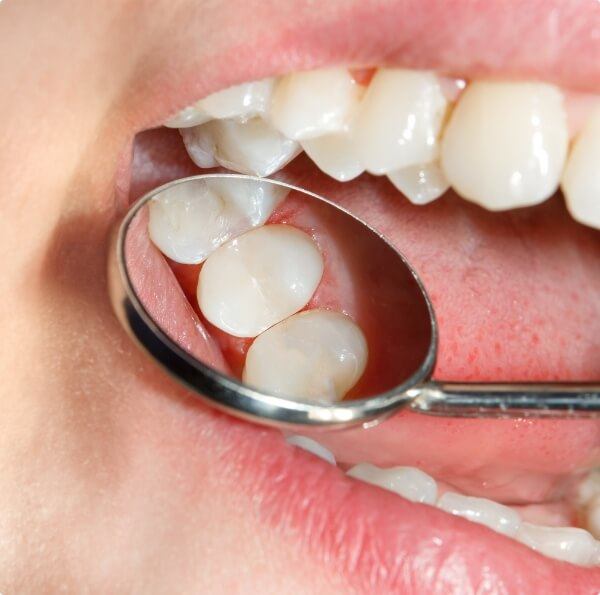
486,180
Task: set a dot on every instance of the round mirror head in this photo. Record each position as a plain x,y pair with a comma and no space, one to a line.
271,302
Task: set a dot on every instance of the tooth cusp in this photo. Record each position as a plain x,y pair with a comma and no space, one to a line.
316,355
421,184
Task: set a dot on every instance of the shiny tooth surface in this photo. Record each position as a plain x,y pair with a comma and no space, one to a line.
409,482
252,147
311,446
562,543
259,279
193,115
189,221
336,155
316,355
310,104
506,143
592,516
581,178
240,101
496,516
399,120
421,184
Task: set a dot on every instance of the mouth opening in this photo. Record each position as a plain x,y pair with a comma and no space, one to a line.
511,273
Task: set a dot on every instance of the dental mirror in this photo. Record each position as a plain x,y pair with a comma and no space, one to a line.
244,289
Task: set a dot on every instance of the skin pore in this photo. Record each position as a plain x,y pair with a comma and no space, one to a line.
114,479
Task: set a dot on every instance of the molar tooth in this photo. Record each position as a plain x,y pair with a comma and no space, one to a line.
251,147
192,115
336,155
311,446
496,516
399,120
240,101
409,482
421,184
570,544
310,104
506,143
316,355
581,178
189,221
259,279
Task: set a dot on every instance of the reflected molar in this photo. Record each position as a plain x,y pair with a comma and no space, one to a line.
310,104
189,222
315,355
408,482
496,516
259,279
251,147
581,178
506,143
400,119
421,184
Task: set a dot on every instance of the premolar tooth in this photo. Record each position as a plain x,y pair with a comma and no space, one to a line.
336,155
506,143
251,147
409,482
259,279
421,184
496,516
241,101
316,355
310,104
189,221
399,120
563,543
311,446
581,178
193,115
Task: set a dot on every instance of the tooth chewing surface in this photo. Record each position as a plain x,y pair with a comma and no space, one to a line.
259,279
316,355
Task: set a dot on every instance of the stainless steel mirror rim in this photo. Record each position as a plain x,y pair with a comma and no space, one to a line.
227,393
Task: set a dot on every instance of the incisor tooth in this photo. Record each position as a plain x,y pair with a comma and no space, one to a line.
409,482
563,543
421,184
259,279
496,516
315,355
310,104
193,115
506,143
251,147
189,221
240,101
581,178
335,154
399,120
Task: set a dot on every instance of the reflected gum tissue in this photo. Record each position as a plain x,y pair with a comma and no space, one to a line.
500,144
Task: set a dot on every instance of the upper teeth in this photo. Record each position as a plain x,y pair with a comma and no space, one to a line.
504,145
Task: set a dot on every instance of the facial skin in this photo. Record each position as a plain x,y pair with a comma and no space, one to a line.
113,478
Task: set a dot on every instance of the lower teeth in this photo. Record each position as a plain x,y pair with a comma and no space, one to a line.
569,544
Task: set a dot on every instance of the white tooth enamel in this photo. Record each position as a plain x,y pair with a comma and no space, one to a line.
316,355
251,147
409,482
193,115
189,221
311,446
336,155
399,120
592,516
581,178
259,279
421,184
241,101
496,516
506,143
310,104
563,543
